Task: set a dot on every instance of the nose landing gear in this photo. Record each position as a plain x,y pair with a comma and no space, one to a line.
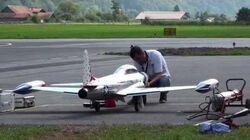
97,104
94,105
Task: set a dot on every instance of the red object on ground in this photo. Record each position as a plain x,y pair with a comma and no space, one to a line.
110,103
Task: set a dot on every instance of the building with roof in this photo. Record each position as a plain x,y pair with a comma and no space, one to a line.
21,13
162,15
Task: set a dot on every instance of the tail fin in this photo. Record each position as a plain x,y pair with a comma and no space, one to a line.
87,76
86,68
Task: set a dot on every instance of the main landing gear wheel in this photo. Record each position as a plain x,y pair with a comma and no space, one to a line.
96,106
144,97
138,103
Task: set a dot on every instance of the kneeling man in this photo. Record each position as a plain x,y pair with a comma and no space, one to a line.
154,65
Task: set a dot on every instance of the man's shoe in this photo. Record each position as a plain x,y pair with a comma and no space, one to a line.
163,98
162,101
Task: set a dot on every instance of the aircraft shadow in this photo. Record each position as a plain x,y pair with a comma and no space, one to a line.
120,109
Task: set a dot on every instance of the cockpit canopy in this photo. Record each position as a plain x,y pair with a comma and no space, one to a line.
126,69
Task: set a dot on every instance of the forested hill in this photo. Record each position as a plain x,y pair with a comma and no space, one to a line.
132,7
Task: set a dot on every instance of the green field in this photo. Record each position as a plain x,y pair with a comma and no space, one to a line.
40,31
116,132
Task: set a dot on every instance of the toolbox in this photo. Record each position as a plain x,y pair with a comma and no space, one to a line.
25,102
7,101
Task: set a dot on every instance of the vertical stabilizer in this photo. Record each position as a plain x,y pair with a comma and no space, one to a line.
86,68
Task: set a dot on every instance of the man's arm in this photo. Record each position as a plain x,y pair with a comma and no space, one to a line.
155,78
157,68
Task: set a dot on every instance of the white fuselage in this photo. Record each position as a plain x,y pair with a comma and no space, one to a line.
123,77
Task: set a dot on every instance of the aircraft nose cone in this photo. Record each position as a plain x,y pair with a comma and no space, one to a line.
202,88
22,89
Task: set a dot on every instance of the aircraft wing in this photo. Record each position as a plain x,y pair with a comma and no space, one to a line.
138,91
68,84
87,85
58,89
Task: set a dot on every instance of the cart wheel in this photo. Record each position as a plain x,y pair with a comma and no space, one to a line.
247,103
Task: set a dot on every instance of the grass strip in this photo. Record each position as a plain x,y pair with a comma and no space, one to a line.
197,51
44,31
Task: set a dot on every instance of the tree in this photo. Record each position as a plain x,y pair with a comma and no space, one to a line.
146,21
243,15
188,15
220,18
67,10
117,13
204,16
116,9
93,17
105,16
197,15
176,8
26,3
35,19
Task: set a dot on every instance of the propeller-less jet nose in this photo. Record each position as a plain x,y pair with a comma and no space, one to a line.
26,88
207,85
22,89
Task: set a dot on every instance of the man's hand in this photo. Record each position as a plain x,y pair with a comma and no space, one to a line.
147,84
155,78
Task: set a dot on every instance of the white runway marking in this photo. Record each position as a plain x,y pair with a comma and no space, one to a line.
47,105
5,44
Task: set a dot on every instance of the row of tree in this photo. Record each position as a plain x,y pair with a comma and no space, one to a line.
243,15
69,11
133,7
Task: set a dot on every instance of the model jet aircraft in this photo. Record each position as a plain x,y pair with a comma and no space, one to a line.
105,91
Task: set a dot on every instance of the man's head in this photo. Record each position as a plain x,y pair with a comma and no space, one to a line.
138,54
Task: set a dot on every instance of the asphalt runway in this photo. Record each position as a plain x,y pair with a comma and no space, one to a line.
61,61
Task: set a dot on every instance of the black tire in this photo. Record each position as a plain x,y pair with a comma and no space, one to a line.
97,106
26,105
144,97
33,103
137,108
136,103
247,105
